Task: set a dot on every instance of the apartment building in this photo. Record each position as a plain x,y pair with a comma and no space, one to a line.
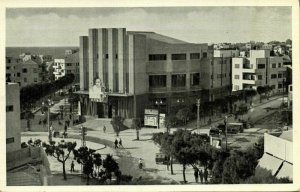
13,120
22,72
259,69
67,65
140,69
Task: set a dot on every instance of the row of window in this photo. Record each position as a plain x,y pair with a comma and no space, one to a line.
180,56
178,80
259,66
259,77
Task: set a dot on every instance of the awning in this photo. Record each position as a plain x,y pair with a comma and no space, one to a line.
270,162
286,171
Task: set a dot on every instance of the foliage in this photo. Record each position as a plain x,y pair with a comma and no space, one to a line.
183,114
61,151
34,92
24,145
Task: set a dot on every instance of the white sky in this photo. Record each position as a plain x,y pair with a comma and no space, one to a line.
63,26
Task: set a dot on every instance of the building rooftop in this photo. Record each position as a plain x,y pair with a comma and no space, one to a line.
29,62
72,58
158,37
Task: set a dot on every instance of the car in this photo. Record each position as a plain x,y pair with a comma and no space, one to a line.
221,127
161,158
235,128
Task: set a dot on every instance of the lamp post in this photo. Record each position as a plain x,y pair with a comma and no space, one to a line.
158,103
226,119
48,104
198,115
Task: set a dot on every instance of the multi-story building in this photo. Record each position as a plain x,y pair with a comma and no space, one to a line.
219,72
140,69
68,64
13,120
259,69
22,72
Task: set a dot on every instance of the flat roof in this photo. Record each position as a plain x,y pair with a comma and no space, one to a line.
159,37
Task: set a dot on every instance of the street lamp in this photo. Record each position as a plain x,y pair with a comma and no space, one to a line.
158,103
198,115
225,121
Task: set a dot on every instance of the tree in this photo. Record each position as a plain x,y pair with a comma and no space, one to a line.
28,115
117,123
170,121
183,114
85,156
260,90
136,124
61,151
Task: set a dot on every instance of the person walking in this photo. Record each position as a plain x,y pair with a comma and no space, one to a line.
205,175
72,166
116,143
120,143
196,175
66,127
140,163
104,129
201,175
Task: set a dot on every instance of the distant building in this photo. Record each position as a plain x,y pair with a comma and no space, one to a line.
140,70
22,72
267,46
278,154
67,65
259,69
13,120
70,51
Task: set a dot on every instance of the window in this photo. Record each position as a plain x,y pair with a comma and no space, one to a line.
279,65
259,77
273,86
236,87
8,68
291,88
9,108
204,54
34,70
237,66
273,76
179,56
178,80
212,76
260,66
157,57
157,80
69,71
279,86
279,75
195,79
10,140
18,74
194,56
116,56
35,79
24,70
25,80
274,65
236,77
106,56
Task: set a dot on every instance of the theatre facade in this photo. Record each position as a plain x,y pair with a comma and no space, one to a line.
141,70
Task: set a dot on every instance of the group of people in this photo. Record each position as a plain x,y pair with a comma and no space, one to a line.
202,174
118,143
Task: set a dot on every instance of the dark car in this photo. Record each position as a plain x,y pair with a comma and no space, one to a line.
221,127
214,132
235,128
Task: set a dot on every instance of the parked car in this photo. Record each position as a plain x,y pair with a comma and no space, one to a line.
161,158
235,128
214,132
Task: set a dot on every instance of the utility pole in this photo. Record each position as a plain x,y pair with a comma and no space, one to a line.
226,131
198,116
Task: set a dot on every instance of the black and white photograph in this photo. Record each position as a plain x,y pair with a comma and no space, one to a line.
177,97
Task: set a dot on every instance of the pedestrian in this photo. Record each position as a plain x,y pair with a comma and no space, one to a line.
72,166
116,143
40,122
140,163
68,123
201,175
196,174
104,129
66,127
44,122
205,175
120,143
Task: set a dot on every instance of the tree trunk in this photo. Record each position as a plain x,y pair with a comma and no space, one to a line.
137,135
171,163
88,179
183,172
64,171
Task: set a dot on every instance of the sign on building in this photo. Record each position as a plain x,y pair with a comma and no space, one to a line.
96,92
151,117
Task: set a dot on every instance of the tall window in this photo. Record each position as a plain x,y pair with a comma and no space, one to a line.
179,56
237,66
157,57
195,79
274,65
279,75
236,77
204,54
236,87
157,80
9,108
178,80
194,56
24,70
259,77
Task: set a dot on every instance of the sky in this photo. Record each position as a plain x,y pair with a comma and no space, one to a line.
63,26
